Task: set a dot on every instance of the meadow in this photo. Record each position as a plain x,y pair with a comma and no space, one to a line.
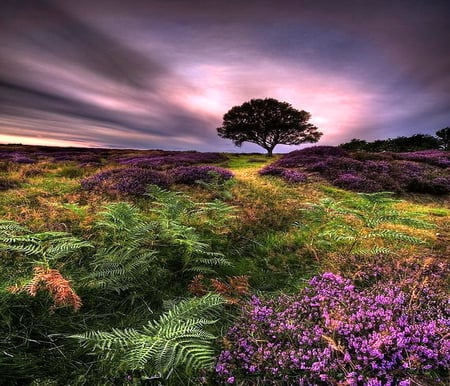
151,267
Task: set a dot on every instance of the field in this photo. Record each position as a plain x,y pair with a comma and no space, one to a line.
319,267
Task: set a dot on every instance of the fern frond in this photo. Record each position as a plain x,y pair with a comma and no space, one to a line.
375,251
390,234
45,246
177,339
11,227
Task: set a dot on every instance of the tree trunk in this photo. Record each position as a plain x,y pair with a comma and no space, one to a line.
269,152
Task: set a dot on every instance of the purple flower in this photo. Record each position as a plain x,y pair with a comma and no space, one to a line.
375,335
191,174
125,181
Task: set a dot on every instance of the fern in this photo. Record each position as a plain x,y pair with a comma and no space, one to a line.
125,254
177,340
174,213
46,247
362,226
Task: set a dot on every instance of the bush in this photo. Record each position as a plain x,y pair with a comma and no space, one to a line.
289,175
172,159
127,181
355,182
21,159
431,157
422,171
310,155
333,333
437,186
71,172
8,183
191,174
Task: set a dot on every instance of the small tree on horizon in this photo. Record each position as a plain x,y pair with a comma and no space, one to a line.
444,136
267,123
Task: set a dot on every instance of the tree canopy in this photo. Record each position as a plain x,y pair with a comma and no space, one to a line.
444,136
267,123
415,142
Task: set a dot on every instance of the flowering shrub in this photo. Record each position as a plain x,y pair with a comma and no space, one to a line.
128,181
370,172
432,157
290,175
356,182
310,155
437,186
191,174
333,333
172,159
22,159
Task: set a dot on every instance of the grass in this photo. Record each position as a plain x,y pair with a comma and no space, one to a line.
280,235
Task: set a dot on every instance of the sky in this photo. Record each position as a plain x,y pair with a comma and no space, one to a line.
160,74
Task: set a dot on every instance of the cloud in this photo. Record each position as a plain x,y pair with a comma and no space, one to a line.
162,73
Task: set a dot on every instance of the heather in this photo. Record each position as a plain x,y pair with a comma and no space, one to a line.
126,181
416,172
129,267
192,174
334,332
172,159
285,173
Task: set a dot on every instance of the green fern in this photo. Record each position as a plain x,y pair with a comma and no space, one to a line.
125,254
176,216
46,247
177,340
361,226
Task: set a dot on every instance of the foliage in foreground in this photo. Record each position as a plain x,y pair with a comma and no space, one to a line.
142,255
334,333
361,226
178,339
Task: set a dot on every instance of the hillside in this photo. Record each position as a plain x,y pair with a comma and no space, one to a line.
320,266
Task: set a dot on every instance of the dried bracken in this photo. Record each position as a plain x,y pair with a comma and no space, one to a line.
233,290
57,286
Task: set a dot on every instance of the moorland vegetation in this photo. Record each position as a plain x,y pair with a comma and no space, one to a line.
324,266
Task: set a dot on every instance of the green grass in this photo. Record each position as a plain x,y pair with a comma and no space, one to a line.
274,235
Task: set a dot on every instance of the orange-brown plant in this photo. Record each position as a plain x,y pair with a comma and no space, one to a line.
57,286
233,290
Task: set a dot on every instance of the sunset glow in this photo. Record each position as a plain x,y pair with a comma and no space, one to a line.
149,75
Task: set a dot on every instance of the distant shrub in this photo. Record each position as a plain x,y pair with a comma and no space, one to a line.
372,166
310,155
172,159
421,171
355,182
21,159
191,174
127,181
437,186
71,172
8,183
289,175
333,333
431,157
5,166
32,171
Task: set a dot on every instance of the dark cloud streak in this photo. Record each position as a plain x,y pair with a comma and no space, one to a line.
163,72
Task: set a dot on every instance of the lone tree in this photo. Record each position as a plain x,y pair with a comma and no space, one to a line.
268,122
444,136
